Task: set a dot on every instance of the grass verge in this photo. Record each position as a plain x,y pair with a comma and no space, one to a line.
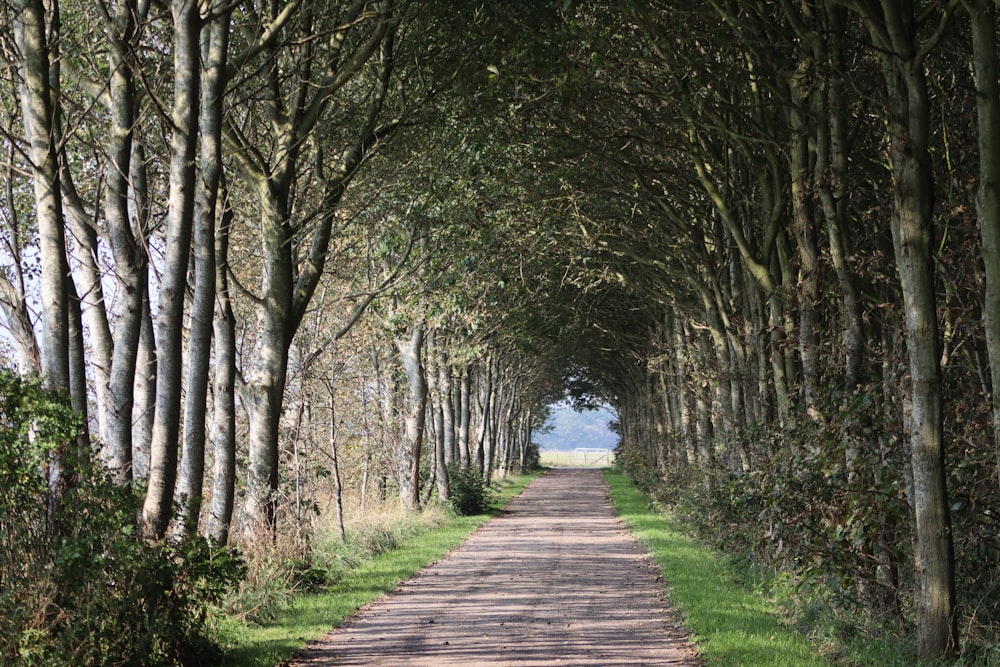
312,615
730,625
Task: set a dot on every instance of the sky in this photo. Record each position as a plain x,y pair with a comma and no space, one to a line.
572,429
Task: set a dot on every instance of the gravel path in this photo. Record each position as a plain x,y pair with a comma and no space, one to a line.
556,579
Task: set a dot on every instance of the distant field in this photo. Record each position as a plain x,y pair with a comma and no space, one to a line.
580,458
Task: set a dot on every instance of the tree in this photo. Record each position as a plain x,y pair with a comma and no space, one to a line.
294,105
157,508
410,448
983,21
33,29
214,45
895,33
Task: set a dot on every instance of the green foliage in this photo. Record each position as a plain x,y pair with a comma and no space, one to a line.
635,464
532,458
80,587
470,492
824,507
822,521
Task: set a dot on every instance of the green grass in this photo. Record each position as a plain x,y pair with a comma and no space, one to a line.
312,615
731,626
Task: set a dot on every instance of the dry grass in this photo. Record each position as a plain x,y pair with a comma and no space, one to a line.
571,459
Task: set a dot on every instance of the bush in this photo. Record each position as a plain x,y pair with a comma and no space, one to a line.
80,587
470,492
532,459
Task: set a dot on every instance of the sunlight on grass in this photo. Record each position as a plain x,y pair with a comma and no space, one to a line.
312,615
731,626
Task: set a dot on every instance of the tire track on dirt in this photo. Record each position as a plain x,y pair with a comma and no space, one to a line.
555,579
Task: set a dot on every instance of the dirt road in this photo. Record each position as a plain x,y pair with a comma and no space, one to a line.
556,579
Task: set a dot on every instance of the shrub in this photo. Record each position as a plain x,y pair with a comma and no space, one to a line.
532,458
470,492
80,587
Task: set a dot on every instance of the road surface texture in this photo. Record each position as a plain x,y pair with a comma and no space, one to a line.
555,579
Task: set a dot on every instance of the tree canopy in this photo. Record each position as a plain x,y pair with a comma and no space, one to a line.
765,233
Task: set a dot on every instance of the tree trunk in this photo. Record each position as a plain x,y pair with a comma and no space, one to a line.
464,417
830,169
911,223
338,487
983,16
30,30
440,463
144,376
13,303
156,510
144,396
447,407
129,255
409,450
526,441
724,414
264,397
291,274
191,476
223,394
805,241
38,89
440,442
702,402
680,388
483,455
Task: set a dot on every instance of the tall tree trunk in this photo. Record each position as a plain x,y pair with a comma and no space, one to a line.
264,397
38,90
908,115
338,487
680,388
492,439
830,170
526,441
144,396
440,444
130,257
223,393
156,509
805,241
264,391
447,407
464,417
482,428
191,476
291,274
484,457
702,402
79,399
440,462
983,16
414,418
724,414
144,376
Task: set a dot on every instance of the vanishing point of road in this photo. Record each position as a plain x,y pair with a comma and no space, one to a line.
555,579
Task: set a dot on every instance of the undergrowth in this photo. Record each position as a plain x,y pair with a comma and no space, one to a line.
821,525
732,624
279,570
78,586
